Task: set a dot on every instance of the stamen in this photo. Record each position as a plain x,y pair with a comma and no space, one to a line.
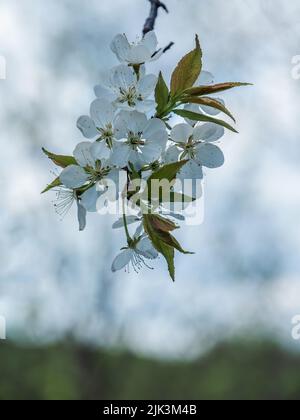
130,96
64,201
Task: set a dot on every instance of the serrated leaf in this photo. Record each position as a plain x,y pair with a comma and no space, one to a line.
168,172
60,160
164,249
171,196
194,116
220,87
187,71
169,254
176,197
55,183
161,94
206,101
162,240
168,239
161,223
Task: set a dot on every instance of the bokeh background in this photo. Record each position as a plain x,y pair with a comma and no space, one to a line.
223,330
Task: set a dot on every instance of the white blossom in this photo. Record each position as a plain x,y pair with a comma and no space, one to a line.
92,165
135,254
65,198
100,124
138,52
122,87
205,78
195,145
92,173
140,141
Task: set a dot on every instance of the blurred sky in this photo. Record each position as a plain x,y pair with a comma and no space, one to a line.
244,278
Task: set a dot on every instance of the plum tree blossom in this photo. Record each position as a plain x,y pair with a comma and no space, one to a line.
127,90
131,132
135,254
100,125
193,144
91,165
140,141
139,52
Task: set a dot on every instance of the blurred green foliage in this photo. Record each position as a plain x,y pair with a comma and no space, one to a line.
70,371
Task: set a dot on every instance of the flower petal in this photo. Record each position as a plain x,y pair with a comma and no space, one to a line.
123,77
81,216
121,47
87,126
89,199
205,78
73,177
145,106
120,155
191,170
122,260
193,108
150,42
82,154
139,54
150,152
210,155
105,93
102,112
100,151
145,248
181,133
135,158
172,154
146,85
153,126
115,182
139,230
208,132
129,121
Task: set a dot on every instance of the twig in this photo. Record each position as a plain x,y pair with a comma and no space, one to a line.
168,47
150,21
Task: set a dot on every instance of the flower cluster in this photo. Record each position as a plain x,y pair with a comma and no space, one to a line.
129,134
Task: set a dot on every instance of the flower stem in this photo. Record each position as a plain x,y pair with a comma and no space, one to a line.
128,237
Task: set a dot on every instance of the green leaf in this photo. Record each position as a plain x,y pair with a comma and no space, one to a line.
161,94
164,249
220,87
134,174
213,103
55,183
158,230
170,196
204,118
187,71
161,223
168,239
165,173
60,160
176,197
168,172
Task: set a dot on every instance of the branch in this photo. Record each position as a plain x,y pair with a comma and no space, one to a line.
150,22
168,47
